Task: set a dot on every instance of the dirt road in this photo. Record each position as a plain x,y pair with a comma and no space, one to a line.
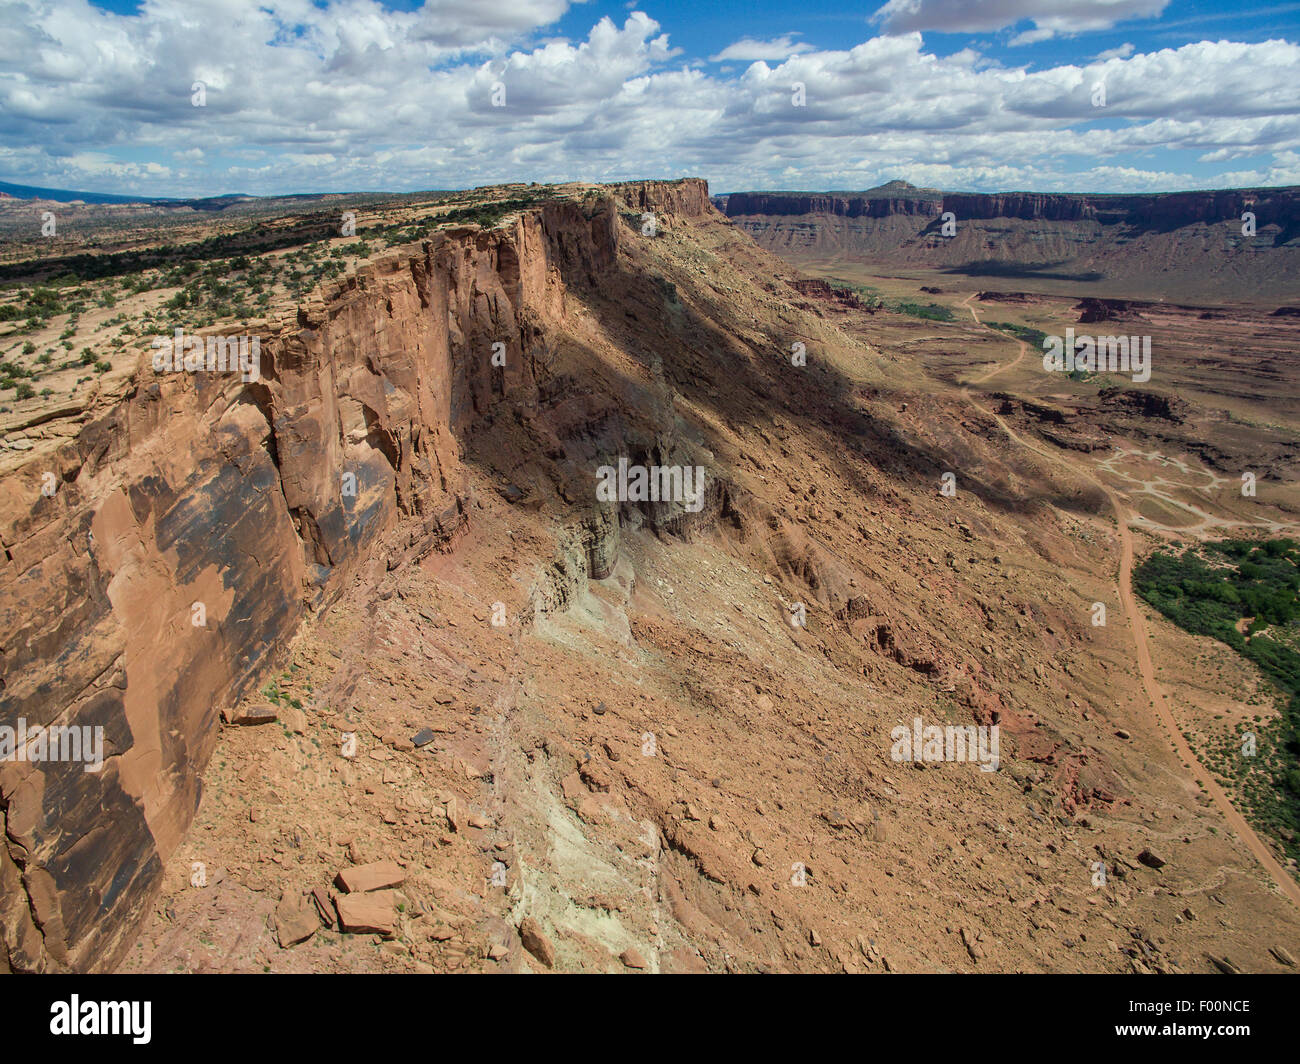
1024,347
1137,624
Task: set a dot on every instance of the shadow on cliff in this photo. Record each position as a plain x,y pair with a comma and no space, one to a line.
1046,271
644,315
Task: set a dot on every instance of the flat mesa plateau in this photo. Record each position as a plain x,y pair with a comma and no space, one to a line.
386,686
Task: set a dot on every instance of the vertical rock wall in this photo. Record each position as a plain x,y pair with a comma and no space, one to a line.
199,488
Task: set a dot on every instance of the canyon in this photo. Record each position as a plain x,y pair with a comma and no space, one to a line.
586,732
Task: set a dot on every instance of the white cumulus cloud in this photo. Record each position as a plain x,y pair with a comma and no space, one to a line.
1050,17
350,95
748,49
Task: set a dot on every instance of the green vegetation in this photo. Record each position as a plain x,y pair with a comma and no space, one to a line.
873,300
483,214
1033,337
232,275
42,304
76,269
273,693
12,376
488,214
929,311
236,288
1216,590
870,297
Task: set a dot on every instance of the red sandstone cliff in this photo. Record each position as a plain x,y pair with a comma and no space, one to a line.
203,489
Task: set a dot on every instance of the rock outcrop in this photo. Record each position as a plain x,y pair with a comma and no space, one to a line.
198,520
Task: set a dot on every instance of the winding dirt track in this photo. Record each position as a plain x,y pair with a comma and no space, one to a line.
1137,623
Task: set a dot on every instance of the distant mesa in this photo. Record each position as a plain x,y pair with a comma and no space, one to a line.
63,195
1143,210
1213,246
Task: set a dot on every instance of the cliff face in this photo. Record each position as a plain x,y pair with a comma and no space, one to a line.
197,522
747,203
1271,206
1123,244
688,197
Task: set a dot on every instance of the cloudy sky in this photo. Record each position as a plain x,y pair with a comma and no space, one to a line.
344,95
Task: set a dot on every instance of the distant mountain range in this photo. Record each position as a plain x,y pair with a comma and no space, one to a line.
63,195
202,203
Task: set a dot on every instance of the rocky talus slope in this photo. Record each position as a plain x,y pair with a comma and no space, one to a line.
585,735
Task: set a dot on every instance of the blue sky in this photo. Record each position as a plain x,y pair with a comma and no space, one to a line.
302,96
